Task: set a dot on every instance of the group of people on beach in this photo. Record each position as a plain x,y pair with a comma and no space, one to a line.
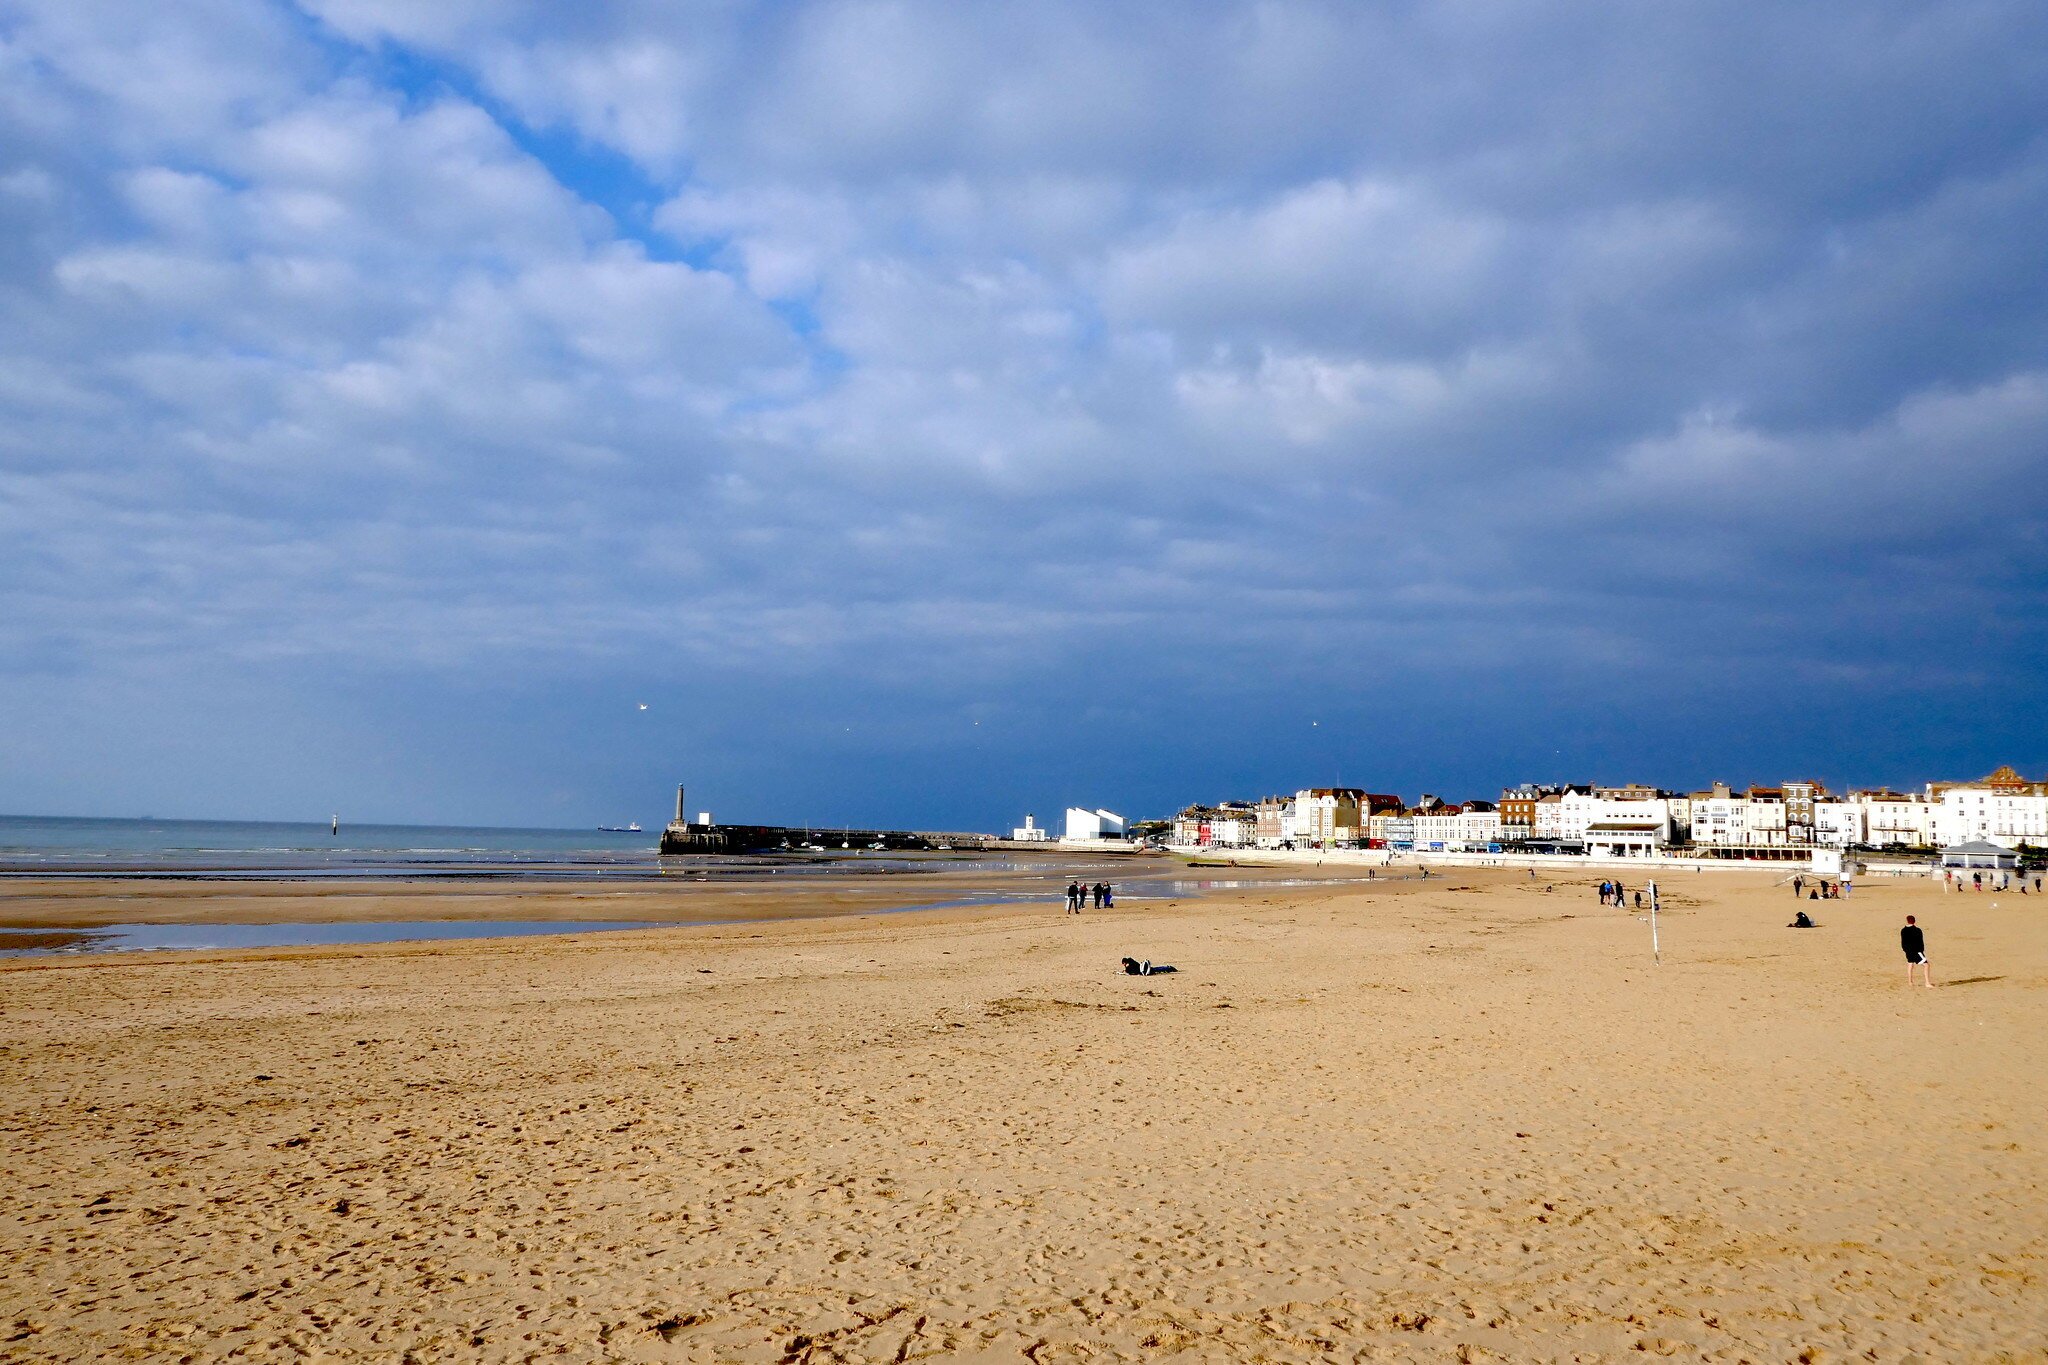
2002,882
1078,896
1615,894
1820,888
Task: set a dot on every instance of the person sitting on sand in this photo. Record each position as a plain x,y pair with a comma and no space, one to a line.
1802,921
1133,967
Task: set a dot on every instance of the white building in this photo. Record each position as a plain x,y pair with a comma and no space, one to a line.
1896,818
1234,829
1577,811
1979,854
1840,823
2003,808
1230,825
1725,819
1577,808
1437,827
1085,824
1636,837
1457,829
1029,832
1479,825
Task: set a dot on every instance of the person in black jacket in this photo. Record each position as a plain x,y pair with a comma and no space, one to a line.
1915,944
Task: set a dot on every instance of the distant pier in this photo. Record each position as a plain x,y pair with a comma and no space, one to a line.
704,835
684,836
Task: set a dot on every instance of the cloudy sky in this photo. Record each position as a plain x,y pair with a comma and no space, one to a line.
934,412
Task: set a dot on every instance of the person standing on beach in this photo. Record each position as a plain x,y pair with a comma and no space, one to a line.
1798,885
1073,898
1915,944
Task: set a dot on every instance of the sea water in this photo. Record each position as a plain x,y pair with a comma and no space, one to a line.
46,845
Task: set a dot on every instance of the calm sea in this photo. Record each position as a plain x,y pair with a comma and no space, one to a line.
47,845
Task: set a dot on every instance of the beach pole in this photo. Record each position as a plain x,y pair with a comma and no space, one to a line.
1656,952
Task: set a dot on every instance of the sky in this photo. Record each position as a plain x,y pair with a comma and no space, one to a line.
931,413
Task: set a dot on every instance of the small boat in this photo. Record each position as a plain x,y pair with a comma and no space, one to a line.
633,828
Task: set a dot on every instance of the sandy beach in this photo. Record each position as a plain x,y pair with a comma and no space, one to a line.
1465,1119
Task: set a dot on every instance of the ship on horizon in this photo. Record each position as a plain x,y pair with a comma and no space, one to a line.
633,828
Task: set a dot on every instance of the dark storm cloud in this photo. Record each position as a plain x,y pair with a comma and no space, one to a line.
1600,365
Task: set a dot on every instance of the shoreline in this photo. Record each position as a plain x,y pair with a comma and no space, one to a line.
85,904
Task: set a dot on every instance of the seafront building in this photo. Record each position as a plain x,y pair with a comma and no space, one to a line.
1084,825
2002,808
1787,821
1228,824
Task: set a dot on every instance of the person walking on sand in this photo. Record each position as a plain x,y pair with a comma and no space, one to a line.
1073,898
1915,944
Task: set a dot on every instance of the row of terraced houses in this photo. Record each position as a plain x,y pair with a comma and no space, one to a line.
1787,820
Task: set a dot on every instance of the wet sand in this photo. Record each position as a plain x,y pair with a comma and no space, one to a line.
797,892
1464,1119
